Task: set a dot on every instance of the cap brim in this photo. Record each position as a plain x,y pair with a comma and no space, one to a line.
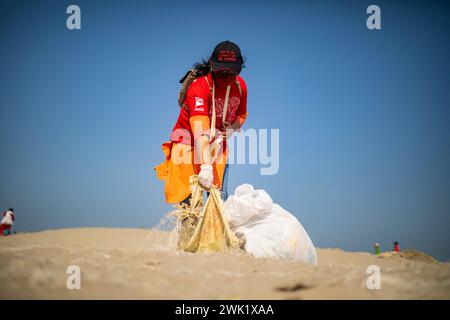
227,66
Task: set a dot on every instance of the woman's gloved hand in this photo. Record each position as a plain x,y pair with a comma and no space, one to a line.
206,176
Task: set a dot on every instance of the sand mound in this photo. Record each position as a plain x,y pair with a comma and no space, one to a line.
409,254
414,255
143,264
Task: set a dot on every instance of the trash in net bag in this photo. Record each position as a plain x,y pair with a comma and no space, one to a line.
203,228
267,229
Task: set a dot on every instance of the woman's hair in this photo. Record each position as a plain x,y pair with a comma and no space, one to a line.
203,68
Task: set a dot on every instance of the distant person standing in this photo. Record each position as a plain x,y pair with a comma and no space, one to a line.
396,247
377,248
7,222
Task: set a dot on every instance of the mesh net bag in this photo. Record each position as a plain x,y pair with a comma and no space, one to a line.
204,228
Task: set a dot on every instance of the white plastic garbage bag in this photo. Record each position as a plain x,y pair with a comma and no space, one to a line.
268,229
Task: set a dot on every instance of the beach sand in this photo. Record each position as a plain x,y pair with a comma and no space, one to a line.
142,264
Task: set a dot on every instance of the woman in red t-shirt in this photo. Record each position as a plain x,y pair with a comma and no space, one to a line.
215,106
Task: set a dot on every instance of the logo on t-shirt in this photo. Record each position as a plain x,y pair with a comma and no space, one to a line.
198,101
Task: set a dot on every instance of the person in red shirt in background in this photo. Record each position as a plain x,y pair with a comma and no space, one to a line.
396,246
6,222
215,105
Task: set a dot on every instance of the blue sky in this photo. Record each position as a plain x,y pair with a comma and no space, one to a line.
363,115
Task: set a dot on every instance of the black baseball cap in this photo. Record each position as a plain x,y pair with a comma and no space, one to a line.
227,56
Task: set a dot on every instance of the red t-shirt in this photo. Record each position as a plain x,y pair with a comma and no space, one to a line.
199,102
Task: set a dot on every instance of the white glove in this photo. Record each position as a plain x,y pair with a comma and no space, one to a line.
206,176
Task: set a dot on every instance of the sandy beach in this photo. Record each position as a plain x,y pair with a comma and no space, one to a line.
142,264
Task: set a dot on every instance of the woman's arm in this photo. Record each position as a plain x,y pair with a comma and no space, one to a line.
200,129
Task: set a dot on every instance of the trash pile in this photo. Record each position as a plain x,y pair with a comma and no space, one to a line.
249,220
